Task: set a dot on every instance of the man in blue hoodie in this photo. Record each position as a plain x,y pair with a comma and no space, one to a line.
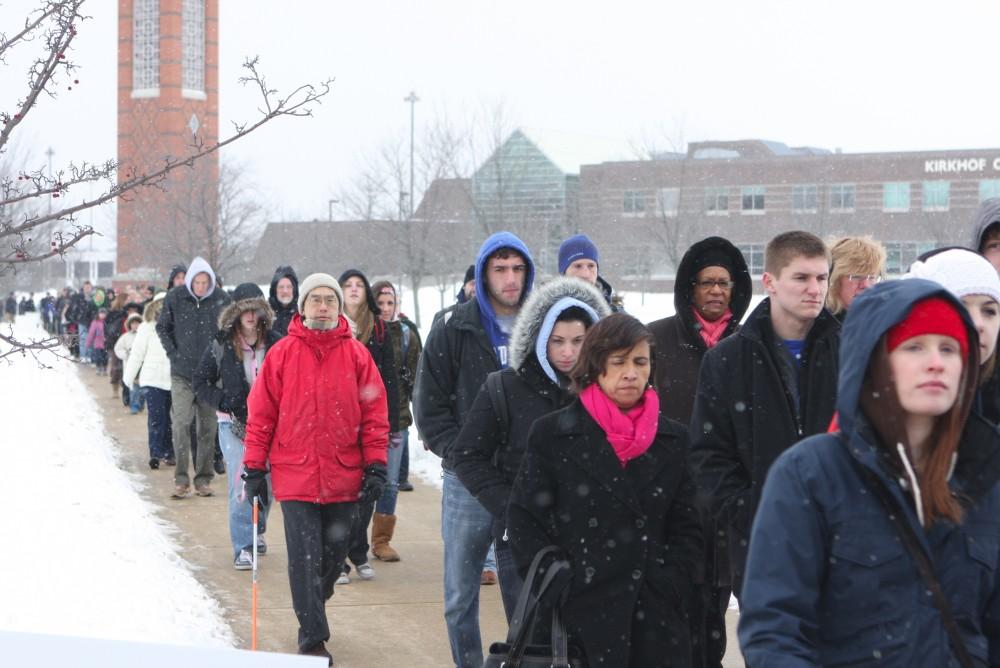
463,347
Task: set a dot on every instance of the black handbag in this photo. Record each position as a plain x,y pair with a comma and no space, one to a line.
516,652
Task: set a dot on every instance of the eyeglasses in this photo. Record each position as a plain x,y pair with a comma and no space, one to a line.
863,278
708,285
316,300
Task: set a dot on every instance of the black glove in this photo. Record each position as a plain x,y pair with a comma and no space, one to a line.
255,484
373,483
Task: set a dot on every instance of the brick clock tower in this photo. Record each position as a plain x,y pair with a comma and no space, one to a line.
168,101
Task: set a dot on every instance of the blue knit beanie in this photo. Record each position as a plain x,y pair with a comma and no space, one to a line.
577,247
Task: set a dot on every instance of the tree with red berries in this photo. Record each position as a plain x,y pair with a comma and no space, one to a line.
36,205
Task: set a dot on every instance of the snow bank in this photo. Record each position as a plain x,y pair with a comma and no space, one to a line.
86,555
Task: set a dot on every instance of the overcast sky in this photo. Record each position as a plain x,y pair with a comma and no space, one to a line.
863,76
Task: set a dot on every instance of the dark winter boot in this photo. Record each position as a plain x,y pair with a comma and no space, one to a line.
383,527
318,650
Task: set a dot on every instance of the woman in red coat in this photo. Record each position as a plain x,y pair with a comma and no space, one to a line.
317,414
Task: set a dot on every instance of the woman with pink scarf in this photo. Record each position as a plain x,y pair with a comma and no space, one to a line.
606,481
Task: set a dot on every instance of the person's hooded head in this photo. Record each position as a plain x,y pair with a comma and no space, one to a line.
909,359
152,310
505,273
359,305
468,289
200,279
986,231
284,294
712,285
132,319
972,279
177,275
99,297
551,325
248,310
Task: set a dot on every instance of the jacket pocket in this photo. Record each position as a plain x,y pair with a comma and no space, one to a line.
350,457
867,577
283,453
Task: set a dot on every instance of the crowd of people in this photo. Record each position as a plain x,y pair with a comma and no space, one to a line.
830,458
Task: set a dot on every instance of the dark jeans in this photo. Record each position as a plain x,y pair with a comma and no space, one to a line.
357,551
404,463
158,422
316,536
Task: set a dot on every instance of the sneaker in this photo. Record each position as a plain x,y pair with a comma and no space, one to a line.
244,561
181,492
169,461
366,572
405,486
344,579
261,545
203,490
154,463
488,578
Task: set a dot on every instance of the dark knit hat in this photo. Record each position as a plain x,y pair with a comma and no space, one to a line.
247,291
712,257
470,274
577,247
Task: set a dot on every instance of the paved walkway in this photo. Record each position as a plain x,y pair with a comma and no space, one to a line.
394,620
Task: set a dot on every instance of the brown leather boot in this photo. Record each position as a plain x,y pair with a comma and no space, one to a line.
382,528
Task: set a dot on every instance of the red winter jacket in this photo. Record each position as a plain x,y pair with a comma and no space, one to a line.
318,413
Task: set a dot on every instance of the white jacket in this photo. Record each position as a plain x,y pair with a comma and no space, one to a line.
148,355
124,345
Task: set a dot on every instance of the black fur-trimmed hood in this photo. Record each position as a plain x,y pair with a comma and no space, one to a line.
235,309
528,326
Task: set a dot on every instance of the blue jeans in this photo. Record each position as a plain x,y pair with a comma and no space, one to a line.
161,440
240,507
387,502
136,398
466,529
81,331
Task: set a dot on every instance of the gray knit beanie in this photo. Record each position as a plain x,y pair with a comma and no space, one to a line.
313,281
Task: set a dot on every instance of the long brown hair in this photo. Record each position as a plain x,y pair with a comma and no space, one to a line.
880,403
235,337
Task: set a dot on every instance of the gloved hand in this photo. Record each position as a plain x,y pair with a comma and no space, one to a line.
255,484
373,483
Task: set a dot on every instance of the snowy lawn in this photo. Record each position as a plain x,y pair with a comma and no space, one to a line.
86,555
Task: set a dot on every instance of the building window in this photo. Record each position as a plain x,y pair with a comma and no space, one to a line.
145,48
752,198
717,201
668,201
105,270
193,48
81,271
896,197
937,195
899,255
842,197
989,188
805,199
634,202
754,256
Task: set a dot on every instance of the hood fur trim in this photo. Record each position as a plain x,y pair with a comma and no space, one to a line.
532,314
233,311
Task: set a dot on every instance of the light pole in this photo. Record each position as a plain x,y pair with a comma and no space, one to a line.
412,99
49,153
332,202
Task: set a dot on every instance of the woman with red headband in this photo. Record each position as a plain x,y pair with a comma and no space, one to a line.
879,544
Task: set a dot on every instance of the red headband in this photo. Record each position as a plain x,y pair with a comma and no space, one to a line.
930,316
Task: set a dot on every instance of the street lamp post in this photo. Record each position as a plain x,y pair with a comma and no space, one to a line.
412,99
332,202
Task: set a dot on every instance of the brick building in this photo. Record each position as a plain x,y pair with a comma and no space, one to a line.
167,102
644,214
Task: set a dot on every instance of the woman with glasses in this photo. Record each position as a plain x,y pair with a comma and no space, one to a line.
858,264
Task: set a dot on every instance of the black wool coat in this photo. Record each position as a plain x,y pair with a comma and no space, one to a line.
744,418
482,460
187,326
223,385
379,344
632,536
454,364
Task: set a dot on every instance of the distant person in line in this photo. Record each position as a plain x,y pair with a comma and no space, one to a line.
225,374
318,417
578,257
832,576
122,349
986,231
10,309
95,342
858,263
283,298
149,366
186,326
712,293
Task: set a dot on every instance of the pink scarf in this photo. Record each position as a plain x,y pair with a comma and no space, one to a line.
631,433
711,332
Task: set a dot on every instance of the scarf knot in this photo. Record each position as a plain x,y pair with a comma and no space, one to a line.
631,433
711,332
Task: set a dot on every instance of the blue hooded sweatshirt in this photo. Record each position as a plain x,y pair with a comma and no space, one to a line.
493,243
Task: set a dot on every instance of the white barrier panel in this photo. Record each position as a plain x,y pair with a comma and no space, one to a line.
28,650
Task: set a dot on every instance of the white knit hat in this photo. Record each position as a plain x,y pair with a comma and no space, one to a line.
314,281
961,271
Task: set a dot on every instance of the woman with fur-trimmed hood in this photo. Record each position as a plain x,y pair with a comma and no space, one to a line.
544,345
223,378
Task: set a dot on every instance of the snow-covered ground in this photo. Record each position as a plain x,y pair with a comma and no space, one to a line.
85,554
